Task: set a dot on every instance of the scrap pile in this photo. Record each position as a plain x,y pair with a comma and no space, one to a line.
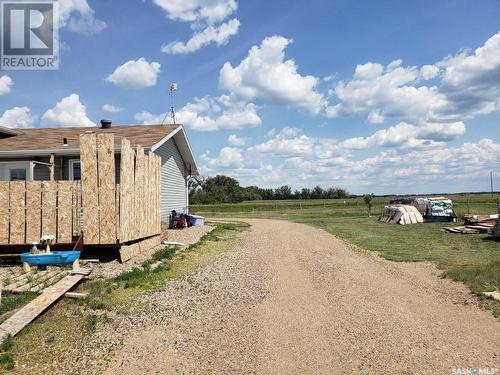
475,224
435,208
401,214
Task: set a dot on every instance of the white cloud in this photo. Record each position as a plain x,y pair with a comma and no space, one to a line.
135,74
471,81
287,142
204,15
229,157
17,117
234,140
79,17
111,108
5,84
300,160
211,34
265,74
468,84
387,93
406,135
429,72
210,114
207,11
67,112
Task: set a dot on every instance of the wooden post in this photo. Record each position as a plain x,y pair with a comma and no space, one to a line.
52,167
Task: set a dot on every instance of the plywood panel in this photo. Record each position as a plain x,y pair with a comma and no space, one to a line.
107,196
4,212
146,197
64,211
90,199
139,193
76,209
117,205
17,212
49,202
126,190
33,211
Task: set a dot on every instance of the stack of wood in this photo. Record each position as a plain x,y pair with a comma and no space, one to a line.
475,224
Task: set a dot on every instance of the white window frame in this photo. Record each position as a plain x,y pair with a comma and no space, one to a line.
6,166
71,163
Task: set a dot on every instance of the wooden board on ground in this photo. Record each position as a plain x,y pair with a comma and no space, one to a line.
28,313
33,211
64,212
107,198
90,199
127,252
17,212
49,202
4,212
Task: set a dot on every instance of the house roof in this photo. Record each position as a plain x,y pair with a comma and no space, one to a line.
52,139
45,141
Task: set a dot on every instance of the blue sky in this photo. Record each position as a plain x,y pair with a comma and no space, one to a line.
373,96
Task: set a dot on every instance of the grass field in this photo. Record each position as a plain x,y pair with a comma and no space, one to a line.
471,259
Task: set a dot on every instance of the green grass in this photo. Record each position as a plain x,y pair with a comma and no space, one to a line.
471,259
12,302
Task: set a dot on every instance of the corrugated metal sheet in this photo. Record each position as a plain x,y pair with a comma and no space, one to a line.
173,181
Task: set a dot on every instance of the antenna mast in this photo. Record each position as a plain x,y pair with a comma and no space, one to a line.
173,89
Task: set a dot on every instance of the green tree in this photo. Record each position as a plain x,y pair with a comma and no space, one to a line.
367,198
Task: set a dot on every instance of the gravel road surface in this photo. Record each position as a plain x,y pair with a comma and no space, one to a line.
293,299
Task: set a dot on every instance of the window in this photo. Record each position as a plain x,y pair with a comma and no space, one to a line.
17,174
75,172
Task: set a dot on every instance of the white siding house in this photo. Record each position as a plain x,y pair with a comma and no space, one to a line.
22,156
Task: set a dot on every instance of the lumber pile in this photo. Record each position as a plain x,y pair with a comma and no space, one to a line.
476,224
401,214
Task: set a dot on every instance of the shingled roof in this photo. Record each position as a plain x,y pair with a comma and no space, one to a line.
33,140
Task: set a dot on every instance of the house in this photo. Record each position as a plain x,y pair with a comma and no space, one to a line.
54,153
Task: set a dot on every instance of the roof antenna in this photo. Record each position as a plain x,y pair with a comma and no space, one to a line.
173,89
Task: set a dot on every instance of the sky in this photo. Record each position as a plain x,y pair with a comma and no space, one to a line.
383,97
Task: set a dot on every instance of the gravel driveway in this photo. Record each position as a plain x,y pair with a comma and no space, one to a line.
292,299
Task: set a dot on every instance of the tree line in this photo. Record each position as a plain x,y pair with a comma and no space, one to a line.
224,189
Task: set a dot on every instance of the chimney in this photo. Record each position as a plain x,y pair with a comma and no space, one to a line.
106,124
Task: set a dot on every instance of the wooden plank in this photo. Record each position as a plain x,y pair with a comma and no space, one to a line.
107,195
17,212
126,189
33,211
90,199
49,204
64,211
117,205
76,295
4,212
127,252
139,194
76,207
147,196
28,313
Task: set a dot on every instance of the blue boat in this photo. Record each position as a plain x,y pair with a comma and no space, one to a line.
54,258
